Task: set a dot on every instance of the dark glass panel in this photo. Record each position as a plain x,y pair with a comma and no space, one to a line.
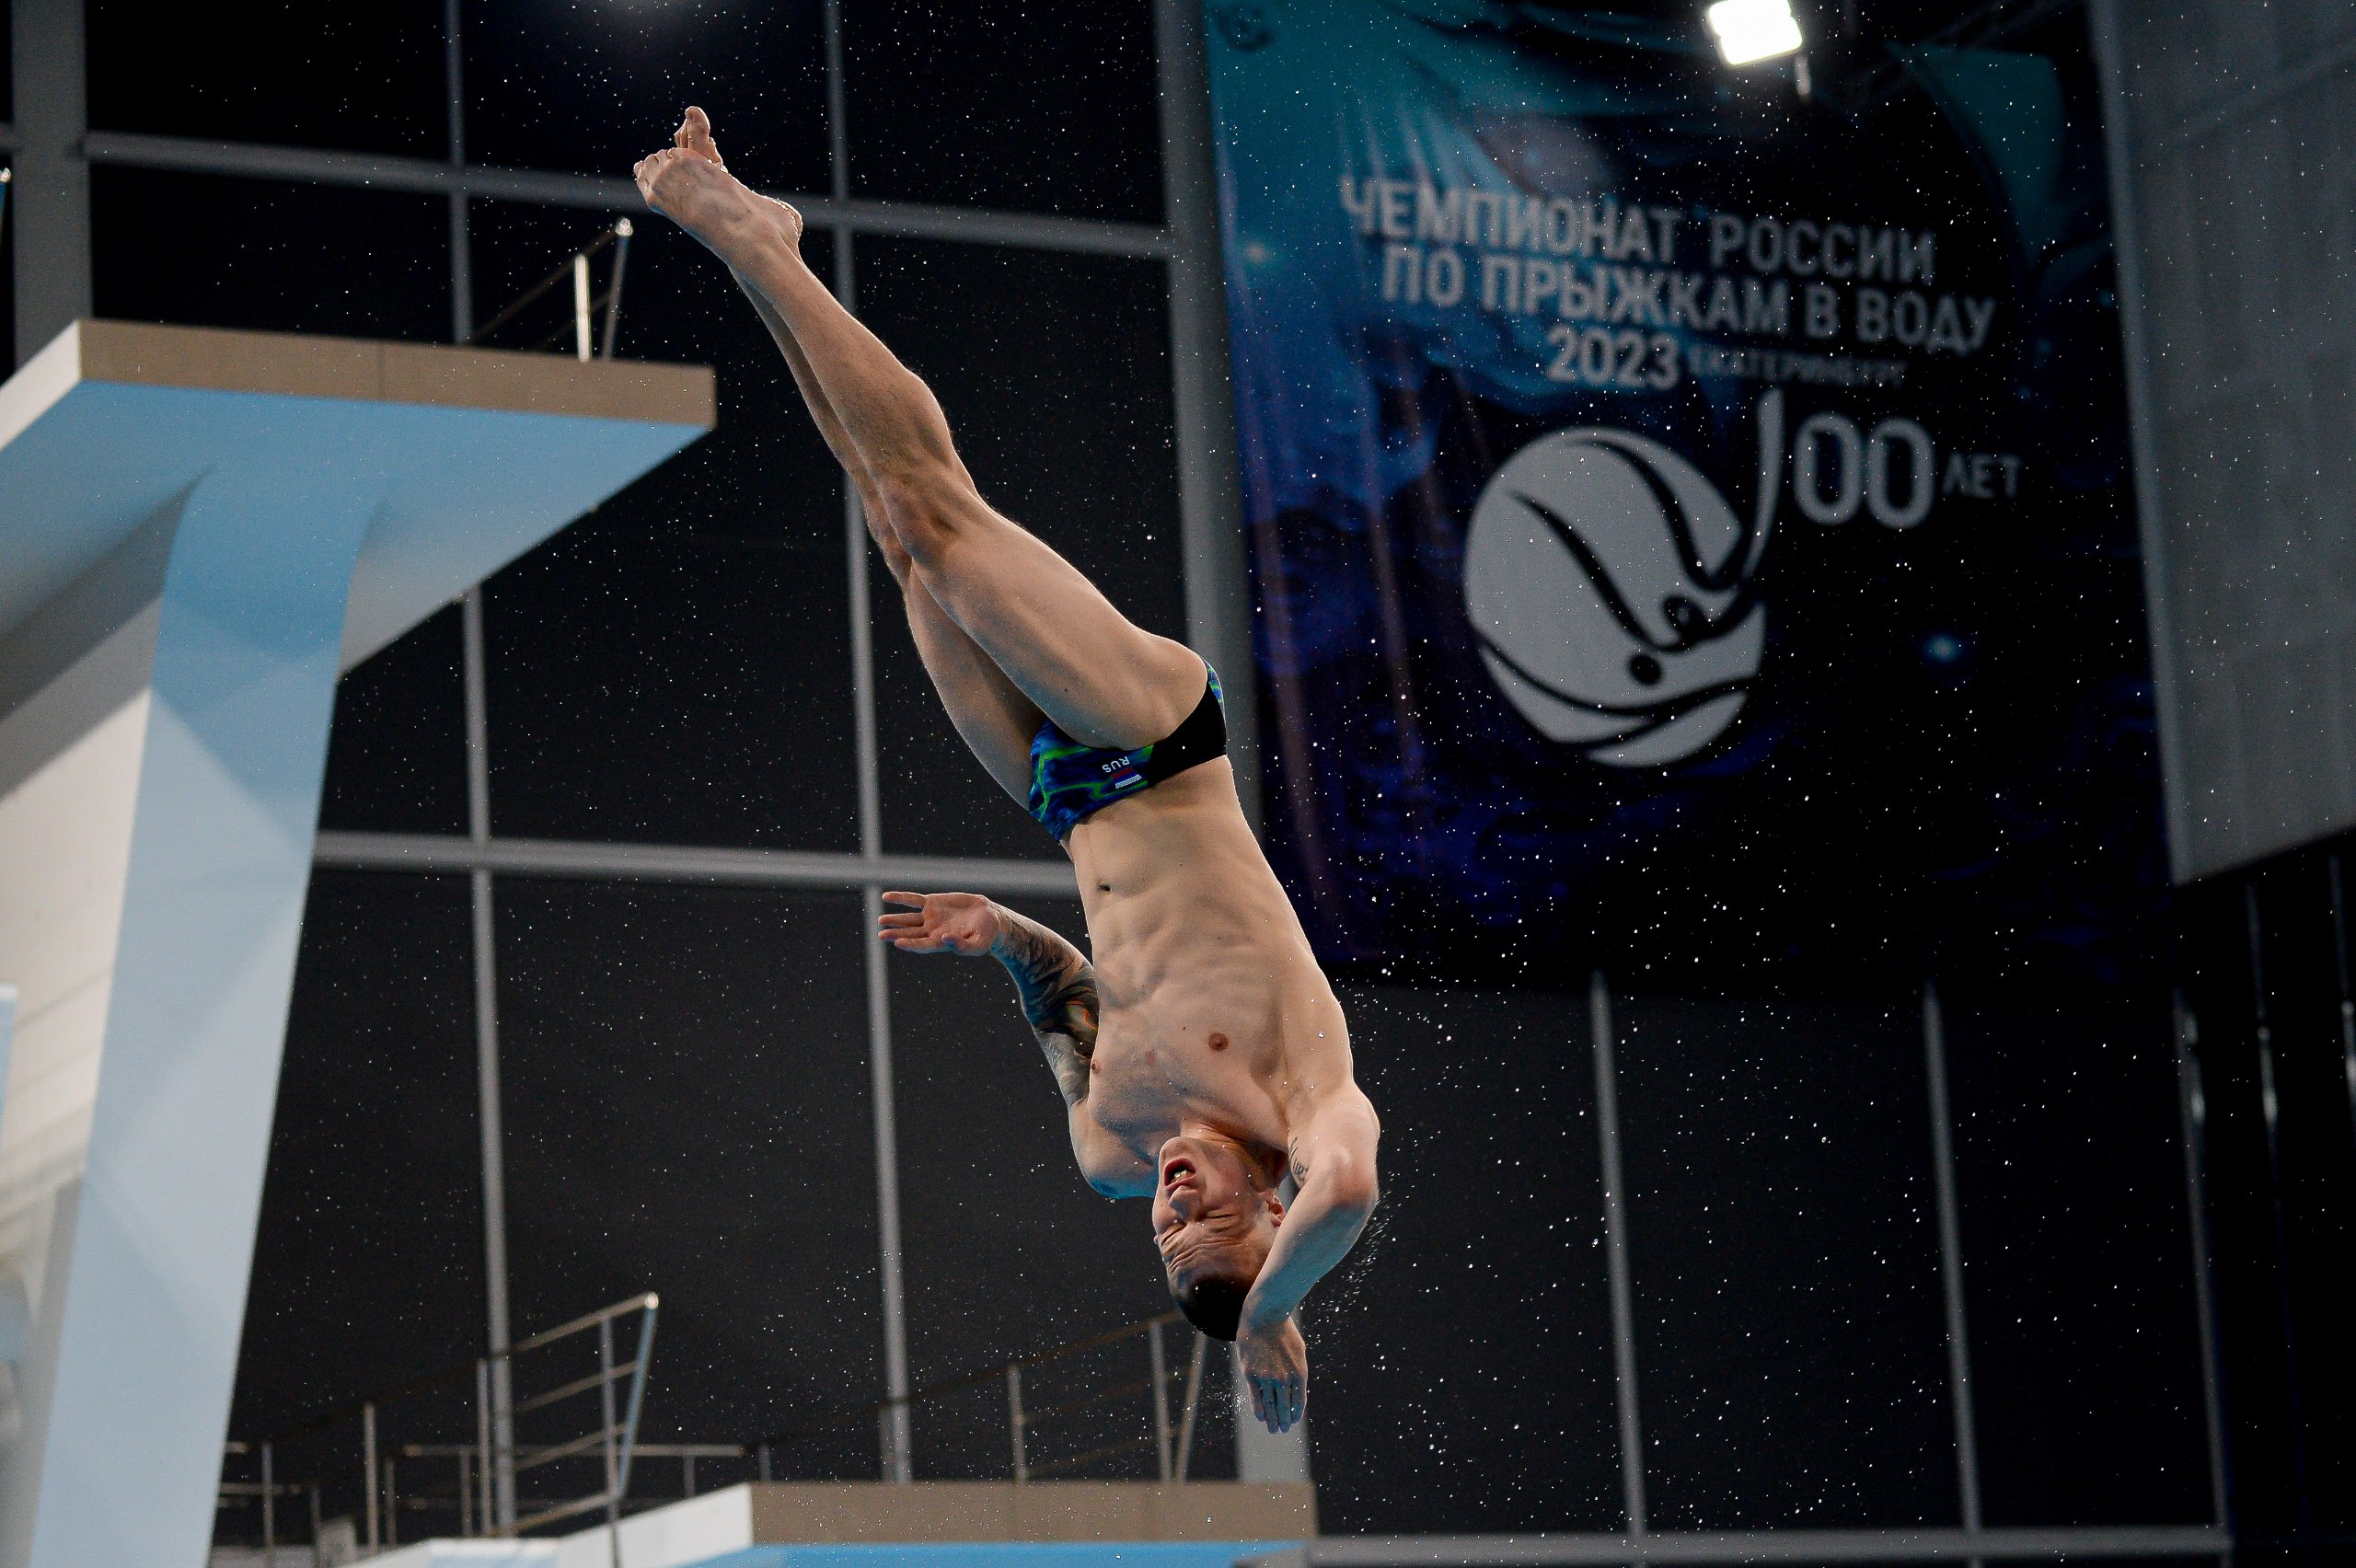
2278,1180
367,78
1461,1360
687,1111
397,756
2078,1267
1048,108
205,250
593,89
1791,1345
676,666
1055,373
367,1269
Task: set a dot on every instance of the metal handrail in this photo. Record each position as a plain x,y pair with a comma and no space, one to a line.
645,1451
483,1461
1103,1396
623,1309
579,1446
1171,1467
971,1380
576,267
573,1509
1073,1461
480,1461
577,1386
1019,1423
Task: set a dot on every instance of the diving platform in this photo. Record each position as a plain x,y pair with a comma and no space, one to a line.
925,1524
199,530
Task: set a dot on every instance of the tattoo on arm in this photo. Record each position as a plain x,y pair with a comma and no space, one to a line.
1295,1165
1068,1043
1058,990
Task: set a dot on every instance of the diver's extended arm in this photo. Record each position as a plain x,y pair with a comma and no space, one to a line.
1057,986
1332,1158
1336,1199
1058,990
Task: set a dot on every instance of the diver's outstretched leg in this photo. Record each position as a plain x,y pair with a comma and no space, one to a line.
987,708
1104,680
992,715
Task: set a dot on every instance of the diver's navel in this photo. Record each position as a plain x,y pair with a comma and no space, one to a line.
1219,1041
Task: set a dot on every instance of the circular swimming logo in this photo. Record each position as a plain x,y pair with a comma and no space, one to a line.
1612,589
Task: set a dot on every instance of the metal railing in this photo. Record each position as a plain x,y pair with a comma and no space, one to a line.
614,1440
465,1454
1172,1449
473,1484
484,1498
266,1491
584,307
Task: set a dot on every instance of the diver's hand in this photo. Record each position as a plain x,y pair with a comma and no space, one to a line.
963,923
1276,1364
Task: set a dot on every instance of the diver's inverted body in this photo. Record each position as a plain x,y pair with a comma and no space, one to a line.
1202,1058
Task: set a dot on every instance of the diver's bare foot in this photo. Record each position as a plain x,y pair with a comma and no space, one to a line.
694,135
694,138
688,183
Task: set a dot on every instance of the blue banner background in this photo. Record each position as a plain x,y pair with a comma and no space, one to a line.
1516,727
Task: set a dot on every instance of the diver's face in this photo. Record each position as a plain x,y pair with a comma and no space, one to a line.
1210,1215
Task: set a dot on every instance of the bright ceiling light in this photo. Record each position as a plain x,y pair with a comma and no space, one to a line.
1753,30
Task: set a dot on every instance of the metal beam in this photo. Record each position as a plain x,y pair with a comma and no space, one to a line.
1615,1256
893,1420
490,1124
2143,413
689,863
1211,511
916,220
454,107
2245,99
1958,1329
2192,1111
1759,1546
50,193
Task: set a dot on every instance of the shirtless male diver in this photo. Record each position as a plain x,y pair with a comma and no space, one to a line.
1202,1055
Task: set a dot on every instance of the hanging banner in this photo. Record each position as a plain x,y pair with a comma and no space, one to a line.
1690,521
